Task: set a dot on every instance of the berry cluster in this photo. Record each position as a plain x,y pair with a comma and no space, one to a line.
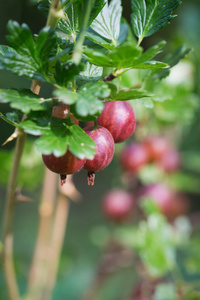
115,124
119,205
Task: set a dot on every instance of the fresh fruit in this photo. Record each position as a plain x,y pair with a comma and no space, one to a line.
63,165
119,118
62,111
133,157
104,151
170,161
117,205
169,202
157,146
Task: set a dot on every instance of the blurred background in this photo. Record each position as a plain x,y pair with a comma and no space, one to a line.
99,258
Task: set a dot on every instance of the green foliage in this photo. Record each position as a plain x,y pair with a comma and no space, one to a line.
150,16
107,23
50,56
91,73
127,94
74,13
23,100
60,135
30,58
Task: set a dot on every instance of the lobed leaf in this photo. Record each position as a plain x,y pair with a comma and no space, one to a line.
23,100
92,74
121,57
151,15
66,96
63,135
88,102
172,60
107,23
129,94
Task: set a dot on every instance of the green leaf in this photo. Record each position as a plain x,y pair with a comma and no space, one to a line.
172,60
23,100
74,12
152,65
98,58
125,55
4,50
97,7
66,96
88,102
129,94
71,26
46,45
20,38
63,135
34,128
154,240
99,41
29,58
66,72
121,57
150,53
92,74
151,15
107,23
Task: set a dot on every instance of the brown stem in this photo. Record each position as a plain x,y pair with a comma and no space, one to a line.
109,77
8,263
58,233
42,253
8,221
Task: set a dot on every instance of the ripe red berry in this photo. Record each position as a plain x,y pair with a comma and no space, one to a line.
61,111
63,165
170,161
117,205
157,146
133,157
119,118
170,203
104,151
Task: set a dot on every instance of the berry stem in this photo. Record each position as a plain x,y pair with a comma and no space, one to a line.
63,178
91,178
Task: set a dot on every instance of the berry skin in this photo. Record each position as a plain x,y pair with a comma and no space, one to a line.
169,202
170,161
119,118
133,157
157,146
61,111
104,151
117,205
63,165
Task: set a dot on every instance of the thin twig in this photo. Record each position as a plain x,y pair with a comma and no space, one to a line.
58,234
42,253
8,222
10,203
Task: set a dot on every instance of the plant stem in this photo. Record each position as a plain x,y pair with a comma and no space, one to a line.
78,46
58,234
9,213
8,221
42,253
